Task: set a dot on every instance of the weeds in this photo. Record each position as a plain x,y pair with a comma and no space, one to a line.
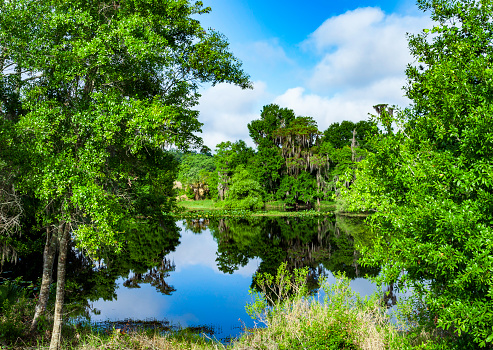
287,317
295,320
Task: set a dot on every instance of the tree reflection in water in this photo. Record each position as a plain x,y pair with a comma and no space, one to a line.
141,260
321,244
155,276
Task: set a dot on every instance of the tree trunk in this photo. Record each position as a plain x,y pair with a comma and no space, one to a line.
354,144
44,292
56,335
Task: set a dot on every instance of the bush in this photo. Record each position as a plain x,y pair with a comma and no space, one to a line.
295,320
244,192
16,311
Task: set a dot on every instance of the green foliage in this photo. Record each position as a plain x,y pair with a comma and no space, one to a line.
15,310
244,192
195,168
10,292
430,180
274,290
341,135
295,321
94,117
268,163
302,189
229,155
94,94
267,168
14,320
296,163
197,173
263,131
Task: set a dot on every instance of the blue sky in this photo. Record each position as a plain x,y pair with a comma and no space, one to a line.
331,60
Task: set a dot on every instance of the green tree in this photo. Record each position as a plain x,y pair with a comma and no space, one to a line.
96,90
301,189
297,140
343,145
292,155
244,192
304,165
340,135
430,181
229,155
268,163
195,173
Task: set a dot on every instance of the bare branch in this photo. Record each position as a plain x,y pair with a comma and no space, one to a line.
10,215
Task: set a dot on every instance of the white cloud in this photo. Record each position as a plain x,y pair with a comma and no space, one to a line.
363,59
135,303
200,249
226,110
324,110
360,47
351,105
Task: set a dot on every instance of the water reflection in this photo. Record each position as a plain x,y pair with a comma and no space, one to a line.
204,280
204,295
320,244
155,277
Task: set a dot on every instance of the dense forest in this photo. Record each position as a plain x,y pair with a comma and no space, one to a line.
293,163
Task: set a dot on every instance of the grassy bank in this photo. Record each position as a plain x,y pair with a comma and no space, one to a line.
287,317
276,208
206,204
340,322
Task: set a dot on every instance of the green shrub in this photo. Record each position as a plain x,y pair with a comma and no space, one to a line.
10,292
295,320
16,311
244,192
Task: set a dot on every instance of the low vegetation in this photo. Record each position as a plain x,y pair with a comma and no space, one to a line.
274,208
287,314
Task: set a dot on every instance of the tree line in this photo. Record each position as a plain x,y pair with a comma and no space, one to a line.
294,162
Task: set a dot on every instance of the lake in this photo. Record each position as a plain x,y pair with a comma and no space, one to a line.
203,278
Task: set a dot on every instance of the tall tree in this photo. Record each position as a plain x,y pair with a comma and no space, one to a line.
297,141
430,181
268,162
100,89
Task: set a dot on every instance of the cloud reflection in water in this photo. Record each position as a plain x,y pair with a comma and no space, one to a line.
204,295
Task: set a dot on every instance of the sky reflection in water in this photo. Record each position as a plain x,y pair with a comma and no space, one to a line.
204,295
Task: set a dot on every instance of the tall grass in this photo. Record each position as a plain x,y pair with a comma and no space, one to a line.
336,319
287,316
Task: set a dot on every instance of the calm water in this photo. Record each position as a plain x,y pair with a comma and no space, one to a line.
204,279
